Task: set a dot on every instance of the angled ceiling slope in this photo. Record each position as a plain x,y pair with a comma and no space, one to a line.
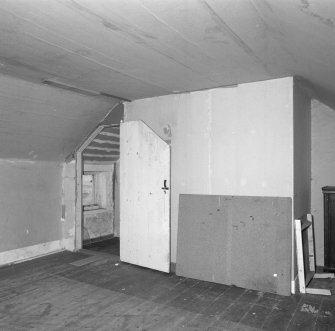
144,48
44,123
105,147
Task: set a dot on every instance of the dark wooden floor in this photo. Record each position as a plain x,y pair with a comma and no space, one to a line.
110,246
50,293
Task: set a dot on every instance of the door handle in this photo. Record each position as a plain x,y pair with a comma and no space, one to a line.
164,185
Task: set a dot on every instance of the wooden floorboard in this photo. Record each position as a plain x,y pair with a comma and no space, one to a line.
50,293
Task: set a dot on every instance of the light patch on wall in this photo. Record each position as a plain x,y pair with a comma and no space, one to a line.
209,135
71,232
243,182
33,155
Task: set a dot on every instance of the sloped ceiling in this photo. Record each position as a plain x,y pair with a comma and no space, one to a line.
43,123
144,48
105,147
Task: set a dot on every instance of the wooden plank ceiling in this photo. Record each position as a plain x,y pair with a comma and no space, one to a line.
39,122
105,147
144,48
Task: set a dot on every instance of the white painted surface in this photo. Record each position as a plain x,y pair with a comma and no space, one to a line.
78,244
300,256
252,139
117,200
30,252
144,206
30,203
324,276
318,291
234,141
323,165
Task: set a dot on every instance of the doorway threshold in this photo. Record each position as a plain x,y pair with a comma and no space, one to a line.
96,253
88,242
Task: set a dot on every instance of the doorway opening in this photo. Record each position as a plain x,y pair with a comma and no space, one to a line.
144,198
98,215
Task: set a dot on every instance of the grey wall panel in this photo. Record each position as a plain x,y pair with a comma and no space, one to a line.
244,241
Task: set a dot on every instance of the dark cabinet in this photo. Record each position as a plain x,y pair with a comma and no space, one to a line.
329,227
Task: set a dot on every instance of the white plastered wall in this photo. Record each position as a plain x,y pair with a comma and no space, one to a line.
229,141
30,204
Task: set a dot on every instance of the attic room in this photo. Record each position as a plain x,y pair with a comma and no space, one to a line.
167,165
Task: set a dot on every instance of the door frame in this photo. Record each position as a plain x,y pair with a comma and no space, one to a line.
78,223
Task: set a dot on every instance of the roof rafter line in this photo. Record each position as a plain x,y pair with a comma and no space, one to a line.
109,134
72,88
116,153
97,155
106,138
103,149
33,133
135,35
109,67
80,55
112,130
23,111
170,27
110,142
218,19
114,127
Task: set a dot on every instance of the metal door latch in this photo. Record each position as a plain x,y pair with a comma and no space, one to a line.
165,188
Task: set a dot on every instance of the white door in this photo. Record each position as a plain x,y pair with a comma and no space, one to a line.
144,197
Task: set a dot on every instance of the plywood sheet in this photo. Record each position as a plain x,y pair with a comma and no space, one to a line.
239,240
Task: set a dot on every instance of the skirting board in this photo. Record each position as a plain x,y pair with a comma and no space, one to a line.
30,252
68,244
318,291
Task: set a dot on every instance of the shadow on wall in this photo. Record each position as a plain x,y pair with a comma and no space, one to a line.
322,168
115,116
